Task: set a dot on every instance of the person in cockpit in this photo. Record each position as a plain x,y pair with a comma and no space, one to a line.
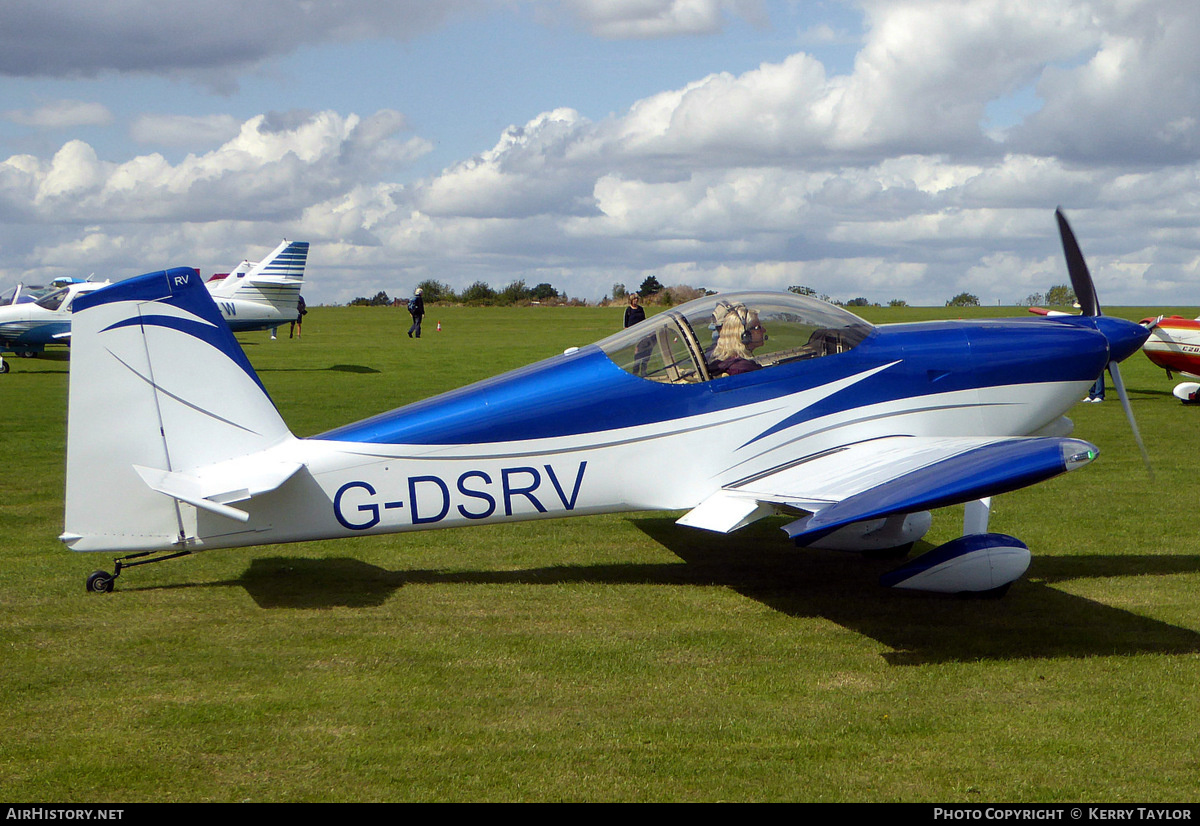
741,334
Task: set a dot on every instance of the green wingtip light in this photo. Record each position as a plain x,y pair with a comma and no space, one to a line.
1080,458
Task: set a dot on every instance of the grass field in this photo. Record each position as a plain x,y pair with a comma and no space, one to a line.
617,658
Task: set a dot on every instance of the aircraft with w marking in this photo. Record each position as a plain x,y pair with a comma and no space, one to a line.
264,295
253,297
732,407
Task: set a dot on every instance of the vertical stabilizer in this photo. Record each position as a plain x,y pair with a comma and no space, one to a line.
159,383
286,262
280,275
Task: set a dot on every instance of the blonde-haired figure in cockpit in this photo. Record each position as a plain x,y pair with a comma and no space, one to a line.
741,334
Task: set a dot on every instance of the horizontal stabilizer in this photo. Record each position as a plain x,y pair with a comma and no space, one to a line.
213,488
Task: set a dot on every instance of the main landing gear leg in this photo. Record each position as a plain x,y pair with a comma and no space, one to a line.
102,582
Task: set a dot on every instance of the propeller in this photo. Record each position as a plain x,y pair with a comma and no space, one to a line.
1085,292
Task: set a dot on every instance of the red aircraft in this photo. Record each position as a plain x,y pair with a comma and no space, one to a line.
1174,345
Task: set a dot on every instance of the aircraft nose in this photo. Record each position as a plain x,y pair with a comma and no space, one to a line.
1124,337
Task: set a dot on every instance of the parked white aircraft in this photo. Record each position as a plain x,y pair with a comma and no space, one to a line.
26,327
264,295
258,296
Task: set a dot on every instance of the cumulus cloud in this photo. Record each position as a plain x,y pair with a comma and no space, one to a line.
1134,97
785,172
275,165
921,83
883,181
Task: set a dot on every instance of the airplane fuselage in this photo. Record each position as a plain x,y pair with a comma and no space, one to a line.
731,407
1174,345
246,315
440,463
576,434
26,328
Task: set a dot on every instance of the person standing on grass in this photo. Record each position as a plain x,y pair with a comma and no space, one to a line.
634,313
416,308
301,309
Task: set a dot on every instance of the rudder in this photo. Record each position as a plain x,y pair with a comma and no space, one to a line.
157,382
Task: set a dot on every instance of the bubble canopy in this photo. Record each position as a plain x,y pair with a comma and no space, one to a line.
700,340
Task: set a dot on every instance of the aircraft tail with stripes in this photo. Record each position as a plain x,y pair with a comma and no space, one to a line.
264,295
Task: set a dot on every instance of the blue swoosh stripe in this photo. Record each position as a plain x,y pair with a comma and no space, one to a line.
208,333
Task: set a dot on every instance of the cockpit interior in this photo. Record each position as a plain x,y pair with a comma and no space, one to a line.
720,335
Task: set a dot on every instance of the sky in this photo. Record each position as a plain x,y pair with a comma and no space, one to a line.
885,149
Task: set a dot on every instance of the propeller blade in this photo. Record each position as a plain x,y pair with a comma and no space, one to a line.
1081,279
1115,372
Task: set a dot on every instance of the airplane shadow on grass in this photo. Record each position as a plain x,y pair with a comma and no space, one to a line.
335,368
1035,620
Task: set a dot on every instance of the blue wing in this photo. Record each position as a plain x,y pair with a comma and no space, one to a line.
891,475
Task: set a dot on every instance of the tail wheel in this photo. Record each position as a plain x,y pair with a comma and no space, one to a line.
100,582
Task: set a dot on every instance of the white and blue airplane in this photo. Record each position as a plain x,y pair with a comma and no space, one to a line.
789,405
26,327
265,295
259,296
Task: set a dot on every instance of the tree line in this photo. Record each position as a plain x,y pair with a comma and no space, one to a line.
652,291
1060,295
479,293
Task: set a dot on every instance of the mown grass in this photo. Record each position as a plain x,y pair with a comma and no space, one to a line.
601,658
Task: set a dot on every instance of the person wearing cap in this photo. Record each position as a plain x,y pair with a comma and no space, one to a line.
416,308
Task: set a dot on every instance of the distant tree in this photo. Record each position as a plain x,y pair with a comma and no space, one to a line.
858,302
544,292
650,286
1060,295
514,292
619,292
380,300
897,302
433,291
478,293
963,300
682,293
799,290
1032,300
